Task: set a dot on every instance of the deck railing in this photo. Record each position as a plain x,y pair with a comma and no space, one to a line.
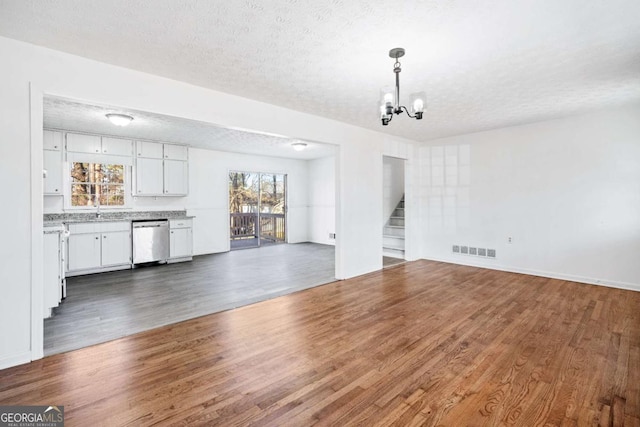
271,227
243,225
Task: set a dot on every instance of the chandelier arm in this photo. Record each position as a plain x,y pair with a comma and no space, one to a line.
402,107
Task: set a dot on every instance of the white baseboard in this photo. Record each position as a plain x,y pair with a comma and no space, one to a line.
15,360
547,274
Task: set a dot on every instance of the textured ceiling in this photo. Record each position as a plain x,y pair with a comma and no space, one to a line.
483,64
66,114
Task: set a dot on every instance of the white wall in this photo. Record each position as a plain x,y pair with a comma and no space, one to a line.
393,185
567,191
209,195
358,245
322,200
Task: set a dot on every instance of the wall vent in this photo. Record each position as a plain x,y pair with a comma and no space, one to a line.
491,253
464,249
482,252
473,251
456,249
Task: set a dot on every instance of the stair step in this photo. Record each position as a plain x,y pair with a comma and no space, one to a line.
393,231
393,253
393,242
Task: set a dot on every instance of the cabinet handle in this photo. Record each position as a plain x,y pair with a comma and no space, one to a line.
104,237
56,189
97,237
172,232
97,151
105,151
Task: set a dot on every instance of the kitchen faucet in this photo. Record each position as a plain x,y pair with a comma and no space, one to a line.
98,215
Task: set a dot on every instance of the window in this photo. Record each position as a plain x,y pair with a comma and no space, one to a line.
94,184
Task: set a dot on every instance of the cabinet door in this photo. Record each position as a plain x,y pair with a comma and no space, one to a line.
180,243
51,271
116,248
52,140
52,162
79,143
175,152
117,146
149,177
176,179
150,150
84,251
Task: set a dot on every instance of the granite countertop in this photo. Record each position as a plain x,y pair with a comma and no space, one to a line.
51,220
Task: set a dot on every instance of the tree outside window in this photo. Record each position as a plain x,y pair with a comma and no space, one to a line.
94,184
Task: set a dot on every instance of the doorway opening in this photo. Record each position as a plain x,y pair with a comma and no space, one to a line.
393,234
257,209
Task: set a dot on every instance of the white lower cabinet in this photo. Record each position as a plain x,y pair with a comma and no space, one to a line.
84,251
116,248
97,246
180,240
53,269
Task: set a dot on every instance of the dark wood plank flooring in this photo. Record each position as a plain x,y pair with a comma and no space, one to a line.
106,306
421,343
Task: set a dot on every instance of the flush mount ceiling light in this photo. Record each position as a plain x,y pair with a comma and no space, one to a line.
390,97
119,119
299,146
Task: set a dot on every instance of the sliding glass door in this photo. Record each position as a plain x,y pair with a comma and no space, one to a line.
257,209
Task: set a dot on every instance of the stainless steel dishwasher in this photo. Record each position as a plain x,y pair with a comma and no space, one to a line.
150,241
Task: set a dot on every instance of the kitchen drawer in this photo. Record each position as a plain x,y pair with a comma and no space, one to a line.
180,223
84,227
99,227
115,226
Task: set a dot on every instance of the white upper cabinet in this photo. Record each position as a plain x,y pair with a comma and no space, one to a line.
149,150
175,152
52,140
149,177
161,169
117,146
92,144
52,162
78,143
176,178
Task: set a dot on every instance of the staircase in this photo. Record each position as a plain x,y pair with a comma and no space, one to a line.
393,233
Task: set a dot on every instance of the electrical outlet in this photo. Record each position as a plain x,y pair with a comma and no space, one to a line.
491,253
482,252
509,240
464,249
473,251
456,249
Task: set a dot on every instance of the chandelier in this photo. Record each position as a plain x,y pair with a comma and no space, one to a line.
390,97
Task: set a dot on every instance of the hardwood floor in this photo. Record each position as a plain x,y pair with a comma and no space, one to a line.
106,306
421,343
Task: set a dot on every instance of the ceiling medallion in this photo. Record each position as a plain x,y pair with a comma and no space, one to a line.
390,97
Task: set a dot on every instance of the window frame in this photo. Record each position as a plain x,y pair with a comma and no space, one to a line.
104,160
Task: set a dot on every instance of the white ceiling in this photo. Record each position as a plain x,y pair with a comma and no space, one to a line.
65,114
483,64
